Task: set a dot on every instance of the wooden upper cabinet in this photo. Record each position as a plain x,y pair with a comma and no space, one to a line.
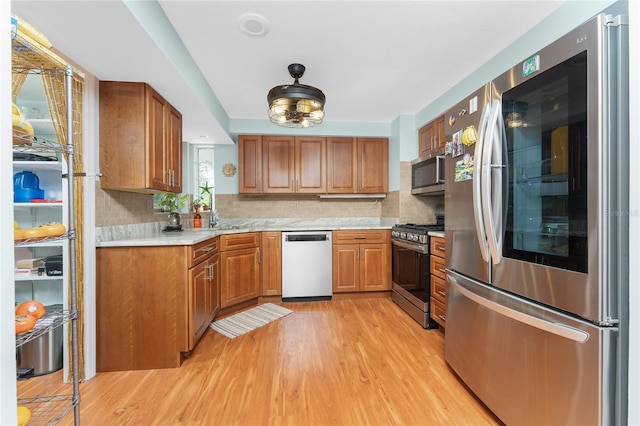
373,165
342,162
440,140
250,164
174,150
357,165
431,138
278,164
140,139
425,139
310,164
313,165
157,110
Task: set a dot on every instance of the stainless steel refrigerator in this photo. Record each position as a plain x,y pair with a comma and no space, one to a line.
536,207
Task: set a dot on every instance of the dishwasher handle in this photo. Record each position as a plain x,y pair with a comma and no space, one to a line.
306,237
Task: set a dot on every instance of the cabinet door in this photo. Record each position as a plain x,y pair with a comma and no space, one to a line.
214,287
174,150
375,271
278,164
425,139
342,160
123,135
250,164
239,276
140,139
271,264
373,165
157,174
310,163
345,268
142,302
199,282
439,140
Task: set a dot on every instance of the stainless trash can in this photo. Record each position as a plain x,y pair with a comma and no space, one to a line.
43,354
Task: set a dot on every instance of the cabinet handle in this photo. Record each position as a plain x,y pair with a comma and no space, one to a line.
442,293
442,317
258,255
210,277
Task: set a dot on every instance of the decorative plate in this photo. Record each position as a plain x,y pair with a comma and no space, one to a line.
228,170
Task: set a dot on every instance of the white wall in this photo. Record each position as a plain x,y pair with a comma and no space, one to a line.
7,304
634,217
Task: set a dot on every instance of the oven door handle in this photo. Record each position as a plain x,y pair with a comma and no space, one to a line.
413,247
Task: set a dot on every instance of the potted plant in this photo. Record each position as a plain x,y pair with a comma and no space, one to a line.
205,192
172,202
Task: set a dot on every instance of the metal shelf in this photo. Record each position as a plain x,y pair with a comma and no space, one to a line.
44,325
49,410
31,57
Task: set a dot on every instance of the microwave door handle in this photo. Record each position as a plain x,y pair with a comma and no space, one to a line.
439,160
492,201
476,182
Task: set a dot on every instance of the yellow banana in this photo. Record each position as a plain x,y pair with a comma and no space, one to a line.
19,122
24,415
469,136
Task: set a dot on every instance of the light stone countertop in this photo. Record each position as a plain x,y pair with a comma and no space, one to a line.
152,234
436,234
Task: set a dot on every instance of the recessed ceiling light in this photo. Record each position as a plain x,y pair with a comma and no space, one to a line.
253,24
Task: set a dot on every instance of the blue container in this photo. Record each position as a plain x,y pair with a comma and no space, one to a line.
26,187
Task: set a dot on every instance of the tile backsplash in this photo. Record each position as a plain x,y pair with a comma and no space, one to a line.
124,208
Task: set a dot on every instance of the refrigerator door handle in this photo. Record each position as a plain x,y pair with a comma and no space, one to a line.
550,327
477,182
491,185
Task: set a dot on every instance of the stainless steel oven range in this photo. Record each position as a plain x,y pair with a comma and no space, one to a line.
411,280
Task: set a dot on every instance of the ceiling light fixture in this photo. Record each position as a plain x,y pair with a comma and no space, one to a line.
296,105
253,25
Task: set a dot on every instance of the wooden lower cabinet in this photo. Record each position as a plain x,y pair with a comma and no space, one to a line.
239,268
361,261
204,293
153,303
271,264
438,280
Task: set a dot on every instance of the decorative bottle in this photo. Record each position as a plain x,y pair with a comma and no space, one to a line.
197,219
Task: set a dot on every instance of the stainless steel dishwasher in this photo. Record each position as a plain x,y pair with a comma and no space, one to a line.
306,265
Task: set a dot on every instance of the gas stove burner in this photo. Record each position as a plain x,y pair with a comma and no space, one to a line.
415,233
419,229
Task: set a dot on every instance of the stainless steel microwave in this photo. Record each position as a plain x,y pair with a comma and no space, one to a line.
427,175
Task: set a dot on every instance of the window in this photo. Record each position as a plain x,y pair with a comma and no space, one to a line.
198,186
203,175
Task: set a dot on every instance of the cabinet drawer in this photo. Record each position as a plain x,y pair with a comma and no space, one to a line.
438,311
437,246
438,289
437,266
202,250
239,241
363,236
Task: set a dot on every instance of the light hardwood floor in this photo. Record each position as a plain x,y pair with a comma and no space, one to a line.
346,362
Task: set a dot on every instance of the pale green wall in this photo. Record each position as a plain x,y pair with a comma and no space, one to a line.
402,132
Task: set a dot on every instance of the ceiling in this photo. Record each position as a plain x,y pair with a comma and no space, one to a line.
374,60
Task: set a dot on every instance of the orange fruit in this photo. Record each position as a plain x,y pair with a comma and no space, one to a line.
31,307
